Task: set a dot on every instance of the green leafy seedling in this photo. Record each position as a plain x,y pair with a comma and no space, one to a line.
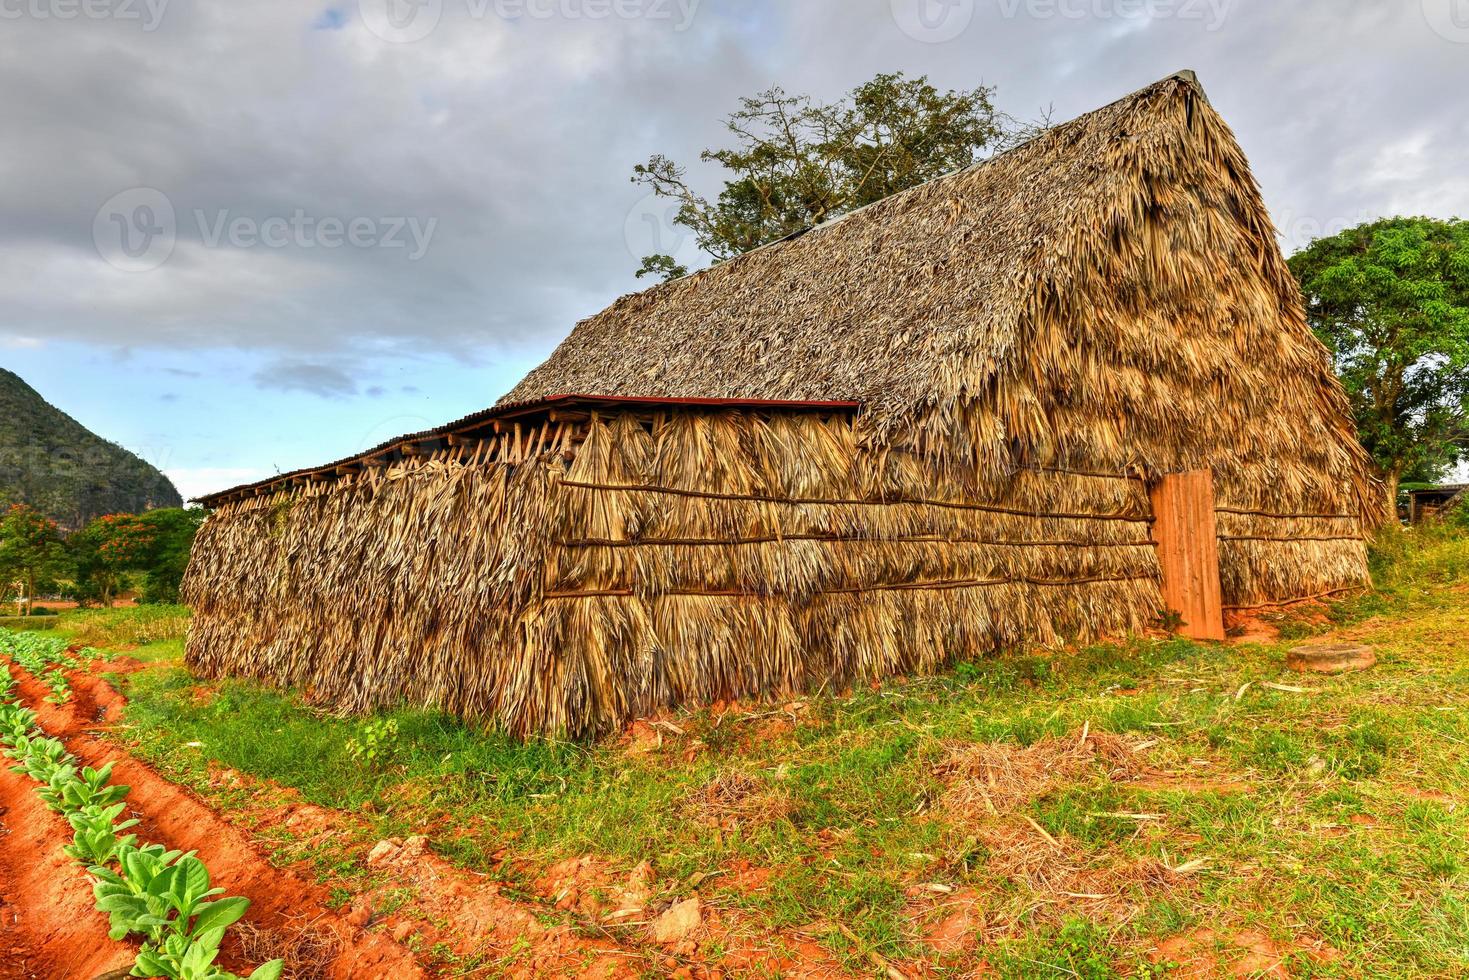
95,838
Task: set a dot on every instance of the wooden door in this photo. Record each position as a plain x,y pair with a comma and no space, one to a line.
1188,551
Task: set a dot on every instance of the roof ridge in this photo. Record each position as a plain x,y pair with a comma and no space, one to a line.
1187,75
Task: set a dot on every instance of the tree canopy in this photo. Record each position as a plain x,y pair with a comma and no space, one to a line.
31,554
105,550
797,162
112,555
173,530
1390,299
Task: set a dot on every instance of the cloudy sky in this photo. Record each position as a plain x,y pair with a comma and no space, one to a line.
239,237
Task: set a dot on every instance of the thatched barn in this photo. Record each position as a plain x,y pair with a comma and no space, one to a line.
928,430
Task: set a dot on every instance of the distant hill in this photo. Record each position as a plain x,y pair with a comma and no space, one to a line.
48,460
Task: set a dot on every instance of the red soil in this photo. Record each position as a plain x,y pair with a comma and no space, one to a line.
48,925
1205,953
463,911
1249,626
474,917
174,817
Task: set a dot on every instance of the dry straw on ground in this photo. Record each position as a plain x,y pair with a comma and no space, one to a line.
307,952
984,779
1046,880
737,800
1030,340
987,786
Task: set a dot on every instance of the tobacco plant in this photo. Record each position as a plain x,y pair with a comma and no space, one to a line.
181,957
46,658
16,722
96,840
39,757
161,895
148,889
92,789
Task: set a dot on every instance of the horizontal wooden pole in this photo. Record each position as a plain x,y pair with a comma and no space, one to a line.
835,539
891,502
884,587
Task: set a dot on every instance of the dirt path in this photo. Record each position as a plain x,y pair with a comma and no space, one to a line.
283,907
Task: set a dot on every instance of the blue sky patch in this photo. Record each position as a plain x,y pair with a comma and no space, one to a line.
330,19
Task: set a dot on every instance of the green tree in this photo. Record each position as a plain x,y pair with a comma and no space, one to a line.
1391,301
31,554
105,551
173,538
797,162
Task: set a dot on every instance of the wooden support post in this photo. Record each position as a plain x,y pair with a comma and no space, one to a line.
1188,551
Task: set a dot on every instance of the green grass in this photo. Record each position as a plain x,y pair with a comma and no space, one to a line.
125,627
862,824
27,622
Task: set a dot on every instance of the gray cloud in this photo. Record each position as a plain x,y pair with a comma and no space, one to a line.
516,139
316,379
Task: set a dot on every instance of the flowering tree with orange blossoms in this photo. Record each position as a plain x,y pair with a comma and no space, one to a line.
106,549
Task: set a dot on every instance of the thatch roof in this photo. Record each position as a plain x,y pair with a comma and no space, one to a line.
484,423
1116,277
908,302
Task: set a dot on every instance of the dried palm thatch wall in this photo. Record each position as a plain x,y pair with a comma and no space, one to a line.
1031,341
673,559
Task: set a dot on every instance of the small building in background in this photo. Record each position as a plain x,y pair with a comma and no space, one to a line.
1430,502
